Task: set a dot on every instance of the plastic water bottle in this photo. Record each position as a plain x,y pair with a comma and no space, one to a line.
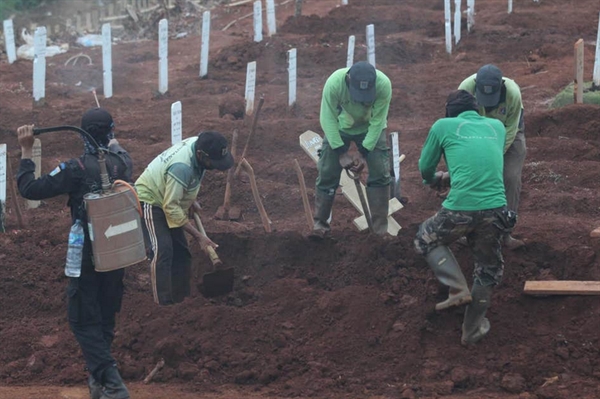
75,251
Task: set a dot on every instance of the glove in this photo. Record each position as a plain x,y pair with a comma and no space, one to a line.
346,160
440,180
363,151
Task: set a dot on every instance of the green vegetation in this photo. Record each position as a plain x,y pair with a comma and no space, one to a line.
7,7
565,97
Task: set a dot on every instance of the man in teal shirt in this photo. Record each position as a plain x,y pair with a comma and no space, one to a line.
354,108
475,207
500,98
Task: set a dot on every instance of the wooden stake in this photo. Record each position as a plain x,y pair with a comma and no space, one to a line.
13,191
252,130
261,209
155,370
307,210
562,288
578,85
595,232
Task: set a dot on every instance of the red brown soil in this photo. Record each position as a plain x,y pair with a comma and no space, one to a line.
353,318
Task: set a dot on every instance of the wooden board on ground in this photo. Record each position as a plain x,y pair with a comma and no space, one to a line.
310,143
562,288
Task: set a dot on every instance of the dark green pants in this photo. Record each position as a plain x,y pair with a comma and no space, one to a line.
378,162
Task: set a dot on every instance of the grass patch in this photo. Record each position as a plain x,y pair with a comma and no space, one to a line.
565,97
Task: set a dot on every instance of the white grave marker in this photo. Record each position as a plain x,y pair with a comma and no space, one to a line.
597,59
258,21
396,163
470,14
163,55
448,26
291,77
350,58
3,176
39,64
344,2
371,44
271,19
509,6
457,22
176,124
205,44
9,39
107,60
37,160
250,86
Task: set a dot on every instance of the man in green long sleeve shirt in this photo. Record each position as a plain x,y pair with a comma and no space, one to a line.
354,108
500,98
167,190
475,207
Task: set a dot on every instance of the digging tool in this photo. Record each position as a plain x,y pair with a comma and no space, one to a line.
307,210
226,211
261,101
220,280
261,209
361,195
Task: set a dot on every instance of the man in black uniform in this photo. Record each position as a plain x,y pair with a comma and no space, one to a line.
94,298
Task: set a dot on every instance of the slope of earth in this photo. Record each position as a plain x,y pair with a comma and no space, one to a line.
348,318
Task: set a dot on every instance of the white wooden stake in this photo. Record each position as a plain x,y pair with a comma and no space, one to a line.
9,39
578,87
271,19
344,2
258,21
176,123
2,180
396,162
37,159
39,64
457,21
205,44
470,14
448,26
291,77
107,60
163,55
250,86
509,6
350,58
597,59
371,44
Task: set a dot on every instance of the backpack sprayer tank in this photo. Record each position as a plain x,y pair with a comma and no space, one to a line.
114,217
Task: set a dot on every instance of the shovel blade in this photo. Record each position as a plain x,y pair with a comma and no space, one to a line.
217,283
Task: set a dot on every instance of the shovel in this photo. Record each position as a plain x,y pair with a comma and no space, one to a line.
220,280
361,196
226,211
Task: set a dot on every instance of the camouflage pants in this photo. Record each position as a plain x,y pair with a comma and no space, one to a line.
483,230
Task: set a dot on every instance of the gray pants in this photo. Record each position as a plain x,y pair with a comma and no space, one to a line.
514,158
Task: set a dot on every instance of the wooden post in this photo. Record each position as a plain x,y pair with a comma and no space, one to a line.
37,159
578,85
298,11
596,75
252,130
261,209
307,210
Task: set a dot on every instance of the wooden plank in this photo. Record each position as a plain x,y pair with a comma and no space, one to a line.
562,288
310,143
595,232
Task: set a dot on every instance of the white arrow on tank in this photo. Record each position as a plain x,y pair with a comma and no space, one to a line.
120,228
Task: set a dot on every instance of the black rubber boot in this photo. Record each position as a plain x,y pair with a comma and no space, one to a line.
475,324
114,388
448,272
323,205
95,388
378,198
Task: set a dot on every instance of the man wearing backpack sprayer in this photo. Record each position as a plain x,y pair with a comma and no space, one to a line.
94,297
354,108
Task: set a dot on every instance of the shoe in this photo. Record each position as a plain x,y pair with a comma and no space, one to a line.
114,388
448,272
379,203
513,243
95,388
323,205
476,325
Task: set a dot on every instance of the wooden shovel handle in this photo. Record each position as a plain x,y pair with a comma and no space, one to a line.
210,251
261,209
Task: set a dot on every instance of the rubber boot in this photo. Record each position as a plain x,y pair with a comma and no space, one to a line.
476,325
323,205
114,388
448,272
95,388
512,243
378,199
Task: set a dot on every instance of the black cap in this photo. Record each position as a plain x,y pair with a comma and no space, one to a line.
97,121
488,85
362,82
214,146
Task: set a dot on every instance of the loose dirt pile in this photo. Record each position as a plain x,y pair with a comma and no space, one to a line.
350,318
